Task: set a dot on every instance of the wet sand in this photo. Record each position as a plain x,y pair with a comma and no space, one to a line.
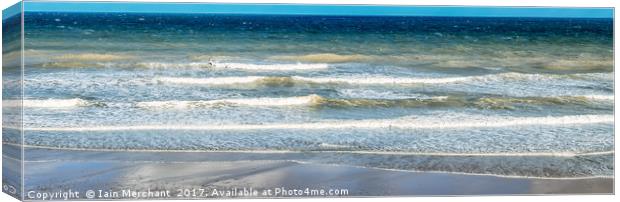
53,170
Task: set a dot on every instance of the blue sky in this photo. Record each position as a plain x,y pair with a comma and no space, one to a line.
309,9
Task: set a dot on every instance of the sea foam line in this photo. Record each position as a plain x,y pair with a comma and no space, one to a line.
356,80
405,123
48,103
599,97
316,80
211,81
307,100
402,153
380,80
465,173
267,101
272,67
238,66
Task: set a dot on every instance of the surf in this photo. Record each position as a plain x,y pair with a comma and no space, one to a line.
314,100
266,101
359,80
236,66
565,154
294,80
92,57
324,58
399,123
48,103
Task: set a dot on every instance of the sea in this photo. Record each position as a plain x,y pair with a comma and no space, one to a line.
513,97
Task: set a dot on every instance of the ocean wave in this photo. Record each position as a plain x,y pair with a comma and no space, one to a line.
359,80
207,58
513,60
594,76
460,101
212,81
503,59
164,65
109,61
331,146
377,94
314,100
92,57
308,100
272,67
72,64
287,101
293,80
580,64
15,55
380,80
236,66
545,63
411,102
401,123
48,103
599,97
321,61
324,58
510,102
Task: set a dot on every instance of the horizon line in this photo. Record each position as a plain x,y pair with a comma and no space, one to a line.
315,9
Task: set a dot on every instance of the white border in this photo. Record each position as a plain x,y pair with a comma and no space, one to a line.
554,3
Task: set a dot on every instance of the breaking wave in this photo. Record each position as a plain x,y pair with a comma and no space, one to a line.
357,80
402,123
290,81
584,62
272,67
309,100
314,100
288,101
49,103
324,58
236,66
92,57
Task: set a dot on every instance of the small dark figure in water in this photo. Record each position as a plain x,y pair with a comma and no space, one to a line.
212,64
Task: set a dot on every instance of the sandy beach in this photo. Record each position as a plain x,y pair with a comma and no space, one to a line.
201,174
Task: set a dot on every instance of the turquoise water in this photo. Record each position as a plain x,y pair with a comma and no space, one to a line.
389,91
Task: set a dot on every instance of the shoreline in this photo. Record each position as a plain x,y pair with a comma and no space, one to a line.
48,170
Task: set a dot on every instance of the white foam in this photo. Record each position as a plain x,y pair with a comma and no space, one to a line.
403,123
272,67
403,153
472,174
162,65
318,80
372,80
49,103
211,81
238,66
440,98
600,97
267,101
380,80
